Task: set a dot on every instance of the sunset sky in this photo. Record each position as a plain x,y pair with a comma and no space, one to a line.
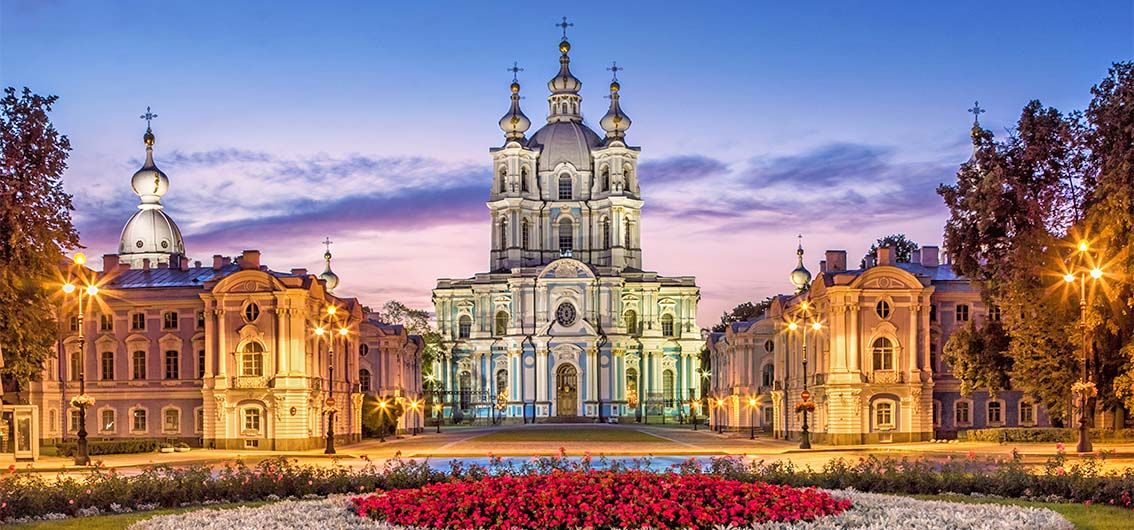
282,124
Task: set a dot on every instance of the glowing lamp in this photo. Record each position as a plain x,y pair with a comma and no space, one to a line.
815,326
1069,278
92,290
320,331
68,288
1083,247
331,310
343,331
1096,273
792,326
751,402
80,258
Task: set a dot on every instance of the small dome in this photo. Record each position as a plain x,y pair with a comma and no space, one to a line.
615,122
515,123
329,276
151,231
565,82
565,141
149,182
800,277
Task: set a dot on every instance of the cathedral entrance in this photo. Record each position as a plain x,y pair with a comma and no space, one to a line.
567,391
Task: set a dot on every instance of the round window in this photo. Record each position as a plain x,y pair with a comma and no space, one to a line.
882,308
138,243
565,314
164,244
363,350
769,345
251,312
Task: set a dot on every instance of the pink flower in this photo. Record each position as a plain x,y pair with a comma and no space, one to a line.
1060,447
12,468
71,501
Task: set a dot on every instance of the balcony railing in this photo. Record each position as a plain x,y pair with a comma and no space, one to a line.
250,381
886,377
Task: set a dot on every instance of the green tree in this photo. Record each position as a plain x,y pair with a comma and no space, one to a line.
35,229
417,322
903,247
743,312
979,357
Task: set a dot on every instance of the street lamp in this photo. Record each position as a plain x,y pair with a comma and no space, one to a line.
82,401
437,410
751,418
720,424
382,416
805,395
320,330
1085,388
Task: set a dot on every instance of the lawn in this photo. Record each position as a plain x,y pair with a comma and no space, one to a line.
116,522
1083,517
581,434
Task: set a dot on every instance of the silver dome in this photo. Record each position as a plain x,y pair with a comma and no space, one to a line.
151,231
565,141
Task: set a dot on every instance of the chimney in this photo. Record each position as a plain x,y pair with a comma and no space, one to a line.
886,256
930,256
299,272
836,260
822,265
184,262
218,262
915,257
870,261
109,262
250,260
197,264
145,264
226,261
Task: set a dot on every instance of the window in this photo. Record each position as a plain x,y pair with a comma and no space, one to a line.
75,423
524,179
932,313
566,234
106,322
252,420
769,414
769,345
501,381
1027,413
962,412
630,318
628,177
464,327
667,325
200,364
364,380
199,424
994,313
882,309
74,323
171,420
883,351
252,360
138,423
884,414
667,387
501,323
138,321
626,235
936,413
138,368
200,320
995,412
605,179
251,312
76,366
525,234
564,187
106,364
632,387
363,350
933,356
503,233
172,367
962,313
503,181
768,375
106,420
606,233
169,320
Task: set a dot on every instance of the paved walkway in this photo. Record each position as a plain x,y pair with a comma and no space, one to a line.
578,439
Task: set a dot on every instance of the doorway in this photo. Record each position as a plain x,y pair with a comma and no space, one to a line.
567,391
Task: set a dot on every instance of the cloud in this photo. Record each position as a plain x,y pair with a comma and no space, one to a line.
685,168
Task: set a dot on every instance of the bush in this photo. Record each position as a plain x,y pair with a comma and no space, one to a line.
1017,435
114,447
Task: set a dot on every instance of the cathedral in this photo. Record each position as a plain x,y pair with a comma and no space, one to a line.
566,324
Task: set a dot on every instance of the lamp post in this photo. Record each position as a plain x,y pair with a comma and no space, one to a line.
805,434
413,406
1084,387
437,409
82,456
751,418
720,405
332,317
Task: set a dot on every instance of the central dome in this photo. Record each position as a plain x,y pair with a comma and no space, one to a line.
565,141
151,231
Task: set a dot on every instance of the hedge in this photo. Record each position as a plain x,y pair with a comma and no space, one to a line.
1039,435
113,447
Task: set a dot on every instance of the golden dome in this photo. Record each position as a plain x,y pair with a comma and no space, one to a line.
564,47
614,86
515,87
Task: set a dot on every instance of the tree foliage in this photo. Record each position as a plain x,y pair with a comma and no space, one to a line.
903,247
743,312
1018,210
979,357
417,322
35,229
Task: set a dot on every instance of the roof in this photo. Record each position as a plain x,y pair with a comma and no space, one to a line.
174,277
565,141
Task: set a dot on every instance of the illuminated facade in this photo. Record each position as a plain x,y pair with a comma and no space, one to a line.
566,323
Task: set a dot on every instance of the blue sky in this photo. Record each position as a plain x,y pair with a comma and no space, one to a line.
281,122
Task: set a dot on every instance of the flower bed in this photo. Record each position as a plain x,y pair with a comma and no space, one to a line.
868,512
597,499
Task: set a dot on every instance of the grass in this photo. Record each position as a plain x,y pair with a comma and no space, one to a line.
118,521
1094,517
580,434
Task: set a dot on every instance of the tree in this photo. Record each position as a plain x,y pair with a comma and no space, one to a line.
743,312
979,357
35,229
902,245
417,322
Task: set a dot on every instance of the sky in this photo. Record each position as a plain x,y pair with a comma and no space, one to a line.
283,123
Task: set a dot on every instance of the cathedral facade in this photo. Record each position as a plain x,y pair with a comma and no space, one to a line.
566,323
227,354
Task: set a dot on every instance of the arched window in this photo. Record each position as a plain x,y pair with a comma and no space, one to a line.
76,365
628,177
605,179
501,381
525,234
626,235
667,325
252,360
501,328
883,351
523,179
630,318
768,375
503,234
464,327
566,234
884,414
564,187
667,386
364,380
464,381
606,233
503,181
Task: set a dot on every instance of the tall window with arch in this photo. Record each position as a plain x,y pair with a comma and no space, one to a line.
883,353
501,327
628,178
464,382
668,387
606,233
525,234
626,240
501,381
566,234
252,360
630,318
503,181
364,380
768,375
524,179
503,233
605,179
565,187
632,386
667,329
464,327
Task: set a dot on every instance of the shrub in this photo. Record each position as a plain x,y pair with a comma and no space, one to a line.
1017,435
113,447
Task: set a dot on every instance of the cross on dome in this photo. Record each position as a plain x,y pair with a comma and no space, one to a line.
148,116
327,243
564,25
515,69
976,111
614,69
